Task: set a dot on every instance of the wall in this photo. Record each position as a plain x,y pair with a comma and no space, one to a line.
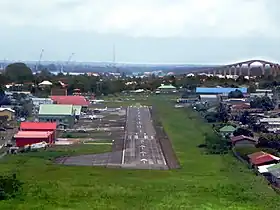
21,142
68,120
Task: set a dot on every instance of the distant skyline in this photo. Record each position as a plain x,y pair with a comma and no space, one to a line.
143,31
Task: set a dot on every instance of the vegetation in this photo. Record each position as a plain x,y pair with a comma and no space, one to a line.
10,186
205,181
235,94
264,103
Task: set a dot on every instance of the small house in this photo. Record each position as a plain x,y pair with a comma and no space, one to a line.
262,158
242,141
7,112
227,130
167,89
274,174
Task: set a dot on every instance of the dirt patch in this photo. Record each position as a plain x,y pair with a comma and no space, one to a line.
165,143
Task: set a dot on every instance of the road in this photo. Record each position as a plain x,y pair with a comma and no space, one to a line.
141,148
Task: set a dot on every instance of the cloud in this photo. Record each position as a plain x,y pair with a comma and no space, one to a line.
148,18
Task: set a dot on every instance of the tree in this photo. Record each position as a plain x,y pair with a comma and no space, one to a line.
242,131
235,94
18,72
264,103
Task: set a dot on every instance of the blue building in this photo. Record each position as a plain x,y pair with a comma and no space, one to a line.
218,90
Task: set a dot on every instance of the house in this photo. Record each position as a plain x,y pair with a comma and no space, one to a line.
39,101
63,115
8,112
40,126
71,100
218,90
242,141
24,138
262,158
227,130
167,88
274,174
209,98
272,124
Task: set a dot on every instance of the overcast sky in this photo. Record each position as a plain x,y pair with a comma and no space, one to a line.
144,31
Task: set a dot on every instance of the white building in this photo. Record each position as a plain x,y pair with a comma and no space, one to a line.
39,101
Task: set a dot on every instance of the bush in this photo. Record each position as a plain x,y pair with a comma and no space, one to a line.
216,144
10,186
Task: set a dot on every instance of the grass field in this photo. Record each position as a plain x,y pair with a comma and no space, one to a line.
205,182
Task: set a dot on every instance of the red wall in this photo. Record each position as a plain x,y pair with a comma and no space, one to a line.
21,142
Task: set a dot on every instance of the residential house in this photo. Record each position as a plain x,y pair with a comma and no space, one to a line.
167,89
271,124
262,158
227,130
211,99
274,172
63,115
7,112
242,141
39,101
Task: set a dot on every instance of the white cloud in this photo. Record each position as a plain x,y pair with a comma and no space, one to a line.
156,18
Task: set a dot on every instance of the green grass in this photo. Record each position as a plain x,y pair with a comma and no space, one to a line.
67,150
205,182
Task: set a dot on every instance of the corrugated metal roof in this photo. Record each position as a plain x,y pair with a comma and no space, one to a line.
228,128
6,109
33,134
56,109
263,120
71,100
166,87
273,167
218,90
38,125
209,96
242,137
265,168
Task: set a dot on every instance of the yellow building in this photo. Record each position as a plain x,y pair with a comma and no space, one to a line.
10,113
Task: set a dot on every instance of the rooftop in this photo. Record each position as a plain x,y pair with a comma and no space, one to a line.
71,100
228,128
262,158
218,90
56,109
242,137
6,109
166,87
38,125
33,134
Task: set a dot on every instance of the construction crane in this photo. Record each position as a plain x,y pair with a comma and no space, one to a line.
68,61
39,62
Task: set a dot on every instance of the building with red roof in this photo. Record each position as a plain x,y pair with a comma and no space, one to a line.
24,138
40,126
262,158
243,140
71,100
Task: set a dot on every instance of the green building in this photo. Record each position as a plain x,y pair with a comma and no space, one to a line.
63,115
227,130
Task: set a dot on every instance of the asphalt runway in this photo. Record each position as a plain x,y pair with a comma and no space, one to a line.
141,148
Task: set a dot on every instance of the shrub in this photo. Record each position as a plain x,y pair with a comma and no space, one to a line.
10,186
216,144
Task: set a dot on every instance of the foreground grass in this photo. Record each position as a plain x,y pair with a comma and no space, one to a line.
204,182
